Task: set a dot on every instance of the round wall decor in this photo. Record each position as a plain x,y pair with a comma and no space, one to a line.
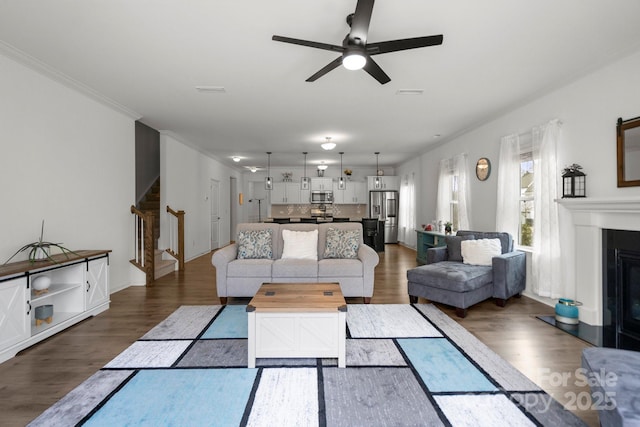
483,168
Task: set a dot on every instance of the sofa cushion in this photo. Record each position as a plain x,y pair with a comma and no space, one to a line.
249,268
300,244
340,267
481,251
453,246
253,244
505,238
453,276
342,243
294,268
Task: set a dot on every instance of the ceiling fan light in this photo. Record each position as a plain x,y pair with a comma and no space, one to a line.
353,60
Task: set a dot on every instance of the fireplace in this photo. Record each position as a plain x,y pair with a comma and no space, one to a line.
621,289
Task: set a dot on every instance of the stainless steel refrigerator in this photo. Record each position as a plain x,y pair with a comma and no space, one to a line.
384,206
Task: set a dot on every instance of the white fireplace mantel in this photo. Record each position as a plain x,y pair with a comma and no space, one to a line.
598,204
590,215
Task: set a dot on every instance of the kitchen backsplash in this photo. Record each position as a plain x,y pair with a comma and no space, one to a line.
304,210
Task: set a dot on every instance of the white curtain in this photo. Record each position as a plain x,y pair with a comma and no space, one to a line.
449,167
508,206
443,201
545,266
407,222
460,169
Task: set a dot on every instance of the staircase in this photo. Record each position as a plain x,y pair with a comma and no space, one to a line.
163,266
150,204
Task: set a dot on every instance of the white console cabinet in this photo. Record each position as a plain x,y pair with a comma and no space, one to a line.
79,288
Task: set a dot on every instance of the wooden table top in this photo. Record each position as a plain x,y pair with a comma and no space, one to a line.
24,266
298,297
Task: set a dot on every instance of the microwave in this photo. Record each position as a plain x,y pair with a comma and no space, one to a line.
322,197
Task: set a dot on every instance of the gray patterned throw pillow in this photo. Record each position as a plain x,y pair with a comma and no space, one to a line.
342,243
255,244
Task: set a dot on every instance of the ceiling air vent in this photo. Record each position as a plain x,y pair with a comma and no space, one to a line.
409,91
211,89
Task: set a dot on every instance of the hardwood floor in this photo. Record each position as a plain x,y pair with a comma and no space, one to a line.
39,376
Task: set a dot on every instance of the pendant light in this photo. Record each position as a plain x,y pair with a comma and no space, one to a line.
341,183
377,180
305,181
268,181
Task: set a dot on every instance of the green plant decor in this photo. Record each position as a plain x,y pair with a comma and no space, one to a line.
41,247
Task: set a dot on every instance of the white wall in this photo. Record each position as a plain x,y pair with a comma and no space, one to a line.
186,176
66,159
588,107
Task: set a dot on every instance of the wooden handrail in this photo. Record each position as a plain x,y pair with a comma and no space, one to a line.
177,251
144,257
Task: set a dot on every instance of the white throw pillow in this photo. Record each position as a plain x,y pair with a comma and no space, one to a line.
300,244
480,251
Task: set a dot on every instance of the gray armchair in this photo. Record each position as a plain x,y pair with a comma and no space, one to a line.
448,280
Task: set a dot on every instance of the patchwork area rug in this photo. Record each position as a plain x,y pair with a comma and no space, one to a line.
407,365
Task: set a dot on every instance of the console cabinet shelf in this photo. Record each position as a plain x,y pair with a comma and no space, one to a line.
79,289
426,240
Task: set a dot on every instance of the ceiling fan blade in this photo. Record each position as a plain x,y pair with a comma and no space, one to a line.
376,72
317,45
361,19
330,66
403,44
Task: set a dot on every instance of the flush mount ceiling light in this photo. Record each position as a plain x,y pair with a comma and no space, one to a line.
236,159
268,181
253,169
322,167
328,145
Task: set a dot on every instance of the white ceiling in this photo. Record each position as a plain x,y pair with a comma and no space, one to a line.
149,55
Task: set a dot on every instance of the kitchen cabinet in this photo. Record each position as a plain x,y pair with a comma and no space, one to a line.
285,193
384,183
321,184
78,288
355,192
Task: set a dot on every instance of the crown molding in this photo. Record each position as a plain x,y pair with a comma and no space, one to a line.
50,72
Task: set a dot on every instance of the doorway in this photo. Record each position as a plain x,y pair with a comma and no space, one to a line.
215,214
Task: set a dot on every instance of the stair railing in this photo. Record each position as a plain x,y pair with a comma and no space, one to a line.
143,244
176,236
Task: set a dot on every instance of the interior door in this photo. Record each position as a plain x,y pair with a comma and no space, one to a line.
215,214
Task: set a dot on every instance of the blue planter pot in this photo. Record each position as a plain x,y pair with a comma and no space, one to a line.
567,311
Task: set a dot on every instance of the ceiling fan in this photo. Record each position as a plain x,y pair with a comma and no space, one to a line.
356,52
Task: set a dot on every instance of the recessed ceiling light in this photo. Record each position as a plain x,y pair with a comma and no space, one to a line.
211,89
409,91
236,159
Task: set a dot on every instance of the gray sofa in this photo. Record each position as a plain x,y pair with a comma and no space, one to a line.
447,280
242,277
614,378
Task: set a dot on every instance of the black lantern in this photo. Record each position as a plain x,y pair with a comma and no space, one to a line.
574,182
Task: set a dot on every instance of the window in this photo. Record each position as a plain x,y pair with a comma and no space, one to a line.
452,202
526,223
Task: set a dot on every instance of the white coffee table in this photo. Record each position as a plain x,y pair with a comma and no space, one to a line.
297,320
